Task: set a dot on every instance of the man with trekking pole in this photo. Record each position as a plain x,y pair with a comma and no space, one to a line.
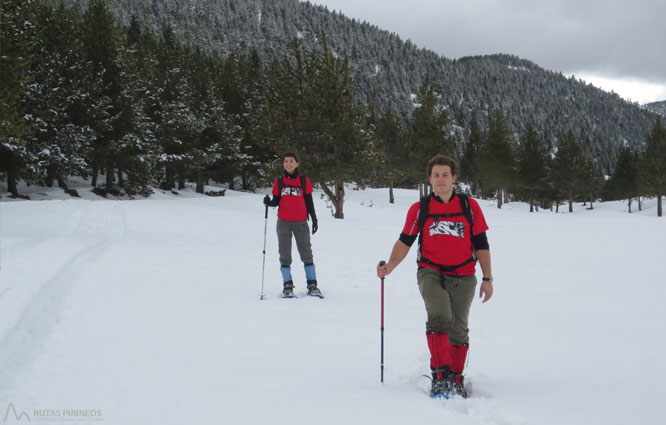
451,230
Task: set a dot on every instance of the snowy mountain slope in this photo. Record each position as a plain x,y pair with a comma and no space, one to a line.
147,312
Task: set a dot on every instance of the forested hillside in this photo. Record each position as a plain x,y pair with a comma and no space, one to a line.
388,70
137,105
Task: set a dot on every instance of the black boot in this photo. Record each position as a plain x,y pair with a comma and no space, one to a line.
457,384
288,289
313,290
441,384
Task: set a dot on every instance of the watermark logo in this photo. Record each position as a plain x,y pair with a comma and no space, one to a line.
13,415
18,416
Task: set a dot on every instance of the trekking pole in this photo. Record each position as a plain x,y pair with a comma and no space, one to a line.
263,266
381,263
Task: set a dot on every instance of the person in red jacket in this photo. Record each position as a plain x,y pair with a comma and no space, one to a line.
293,193
452,236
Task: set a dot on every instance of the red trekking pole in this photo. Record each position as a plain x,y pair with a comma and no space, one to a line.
381,263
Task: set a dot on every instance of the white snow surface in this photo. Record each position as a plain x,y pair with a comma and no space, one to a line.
148,312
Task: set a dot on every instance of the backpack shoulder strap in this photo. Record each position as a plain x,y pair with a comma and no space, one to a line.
467,211
280,184
424,203
303,184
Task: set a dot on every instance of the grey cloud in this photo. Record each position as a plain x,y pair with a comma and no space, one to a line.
623,39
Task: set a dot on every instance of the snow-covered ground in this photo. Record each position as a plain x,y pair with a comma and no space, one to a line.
148,312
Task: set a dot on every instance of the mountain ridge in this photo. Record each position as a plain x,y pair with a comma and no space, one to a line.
656,107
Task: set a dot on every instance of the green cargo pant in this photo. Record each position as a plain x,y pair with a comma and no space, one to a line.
447,301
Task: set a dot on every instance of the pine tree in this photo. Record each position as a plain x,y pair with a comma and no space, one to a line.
241,89
623,184
54,100
498,163
532,171
313,111
590,180
104,113
135,153
168,111
469,165
391,135
16,36
427,134
568,168
653,170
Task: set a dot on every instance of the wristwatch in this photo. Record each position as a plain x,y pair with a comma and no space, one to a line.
488,279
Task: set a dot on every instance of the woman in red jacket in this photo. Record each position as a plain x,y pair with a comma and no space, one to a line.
293,193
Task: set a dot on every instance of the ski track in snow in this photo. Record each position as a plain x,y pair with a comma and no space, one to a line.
99,226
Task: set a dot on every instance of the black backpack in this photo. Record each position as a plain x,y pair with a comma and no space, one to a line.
423,216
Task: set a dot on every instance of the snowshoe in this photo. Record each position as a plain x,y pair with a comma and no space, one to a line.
456,384
440,388
441,383
313,291
288,290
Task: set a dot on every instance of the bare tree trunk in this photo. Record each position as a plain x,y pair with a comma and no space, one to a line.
109,175
340,200
391,197
95,171
570,205
11,183
640,204
659,206
531,205
630,199
337,198
499,198
200,182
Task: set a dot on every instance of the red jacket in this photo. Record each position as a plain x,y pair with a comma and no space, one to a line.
292,201
448,241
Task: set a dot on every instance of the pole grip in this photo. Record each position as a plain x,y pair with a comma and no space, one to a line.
266,213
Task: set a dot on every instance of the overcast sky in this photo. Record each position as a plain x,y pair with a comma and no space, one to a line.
617,45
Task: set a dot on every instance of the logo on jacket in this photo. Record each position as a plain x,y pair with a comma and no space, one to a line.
293,191
447,228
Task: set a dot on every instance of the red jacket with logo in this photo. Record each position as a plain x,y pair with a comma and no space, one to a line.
447,240
292,201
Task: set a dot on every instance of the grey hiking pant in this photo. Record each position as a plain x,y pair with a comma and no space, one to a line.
447,301
301,233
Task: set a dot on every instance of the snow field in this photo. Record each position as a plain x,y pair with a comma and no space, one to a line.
149,310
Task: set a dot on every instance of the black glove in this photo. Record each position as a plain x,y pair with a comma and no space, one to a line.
314,226
267,200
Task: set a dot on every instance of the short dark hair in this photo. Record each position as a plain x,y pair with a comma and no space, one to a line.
290,154
441,160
